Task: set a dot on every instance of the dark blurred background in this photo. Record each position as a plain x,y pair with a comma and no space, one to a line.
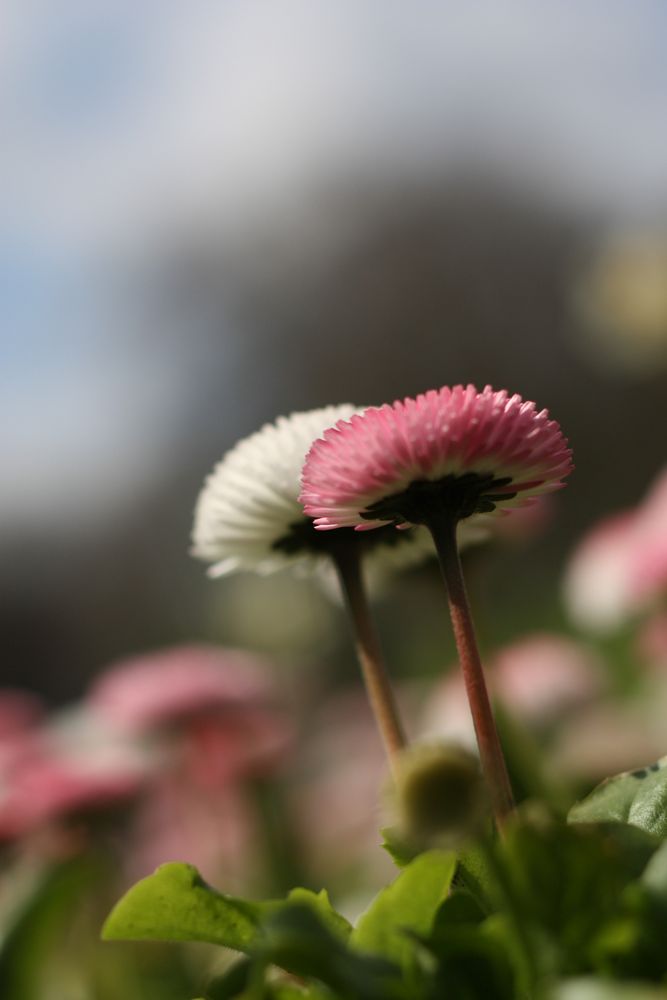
214,213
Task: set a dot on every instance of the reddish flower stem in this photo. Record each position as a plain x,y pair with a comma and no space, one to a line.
347,558
443,529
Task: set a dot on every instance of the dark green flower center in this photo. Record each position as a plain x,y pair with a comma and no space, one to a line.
456,496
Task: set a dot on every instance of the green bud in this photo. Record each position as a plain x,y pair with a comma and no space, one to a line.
440,795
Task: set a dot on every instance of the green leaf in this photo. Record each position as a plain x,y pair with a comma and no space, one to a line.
459,908
473,874
406,907
635,797
397,847
32,936
654,876
633,945
319,901
530,777
472,964
240,982
235,985
562,884
296,938
280,991
230,983
604,989
175,904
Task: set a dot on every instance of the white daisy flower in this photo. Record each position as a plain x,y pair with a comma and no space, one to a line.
248,515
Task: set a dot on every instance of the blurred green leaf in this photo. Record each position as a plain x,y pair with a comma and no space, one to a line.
472,965
227,988
397,848
527,765
459,908
605,989
562,884
474,874
281,991
296,938
633,944
29,941
407,906
230,983
654,876
319,901
175,904
635,797
473,953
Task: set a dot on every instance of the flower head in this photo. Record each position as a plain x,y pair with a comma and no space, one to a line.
214,706
457,449
248,514
157,689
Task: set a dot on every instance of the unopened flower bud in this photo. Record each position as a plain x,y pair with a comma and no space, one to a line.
440,796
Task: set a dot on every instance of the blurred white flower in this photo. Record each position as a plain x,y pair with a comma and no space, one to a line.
248,515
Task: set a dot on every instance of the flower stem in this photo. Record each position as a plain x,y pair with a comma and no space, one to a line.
443,528
347,559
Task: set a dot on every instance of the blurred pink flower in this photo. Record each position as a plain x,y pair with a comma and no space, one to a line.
19,712
41,790
70,765
178,820
250,742
158,688
620,568
537,678
211,715
485,450
525,523
337,796
650,565
214,707
543,675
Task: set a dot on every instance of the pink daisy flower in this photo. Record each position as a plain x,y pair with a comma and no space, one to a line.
445,457
456,449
